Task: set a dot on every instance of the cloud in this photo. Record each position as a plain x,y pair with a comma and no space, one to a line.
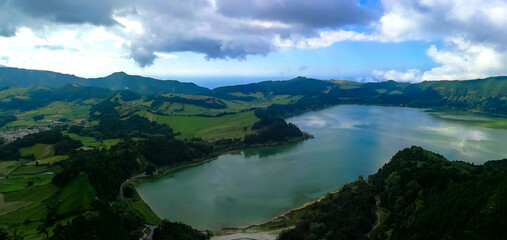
51,47
225,29
474,35
219,29
323,39
303,68
96,12
474,32
411,75
461,59
303,13
464,59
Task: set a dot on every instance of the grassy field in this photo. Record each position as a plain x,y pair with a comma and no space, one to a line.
69,112
228,126
39,150
26,194
7,167
91,141
148,214
185,109
23,191
74,198
49,160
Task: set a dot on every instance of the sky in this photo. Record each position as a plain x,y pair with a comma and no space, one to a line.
212,41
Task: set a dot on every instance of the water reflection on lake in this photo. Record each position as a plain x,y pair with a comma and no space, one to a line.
254,185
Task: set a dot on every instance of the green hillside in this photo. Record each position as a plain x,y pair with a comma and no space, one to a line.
419,194
15,77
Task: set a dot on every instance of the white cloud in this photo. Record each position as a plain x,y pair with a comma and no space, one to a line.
474,33
81,52
126,32
411,75
466,60
324,39
461,60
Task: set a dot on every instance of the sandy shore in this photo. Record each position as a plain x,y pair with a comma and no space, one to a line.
250,235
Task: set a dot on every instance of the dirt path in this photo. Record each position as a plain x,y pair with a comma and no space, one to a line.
374,225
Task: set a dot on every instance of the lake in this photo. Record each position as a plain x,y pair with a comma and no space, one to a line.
255,185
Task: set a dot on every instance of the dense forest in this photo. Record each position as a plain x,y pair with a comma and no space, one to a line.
421,195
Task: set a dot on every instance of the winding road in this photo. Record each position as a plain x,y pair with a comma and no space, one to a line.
151,227
130,179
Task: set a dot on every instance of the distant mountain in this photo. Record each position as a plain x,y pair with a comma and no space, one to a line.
15,77
37,96
145,85
297,86
2,66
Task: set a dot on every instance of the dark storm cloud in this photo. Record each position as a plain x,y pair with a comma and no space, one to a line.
96,12
315,14
221,29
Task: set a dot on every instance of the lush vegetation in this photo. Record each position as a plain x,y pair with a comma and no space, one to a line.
62,145
348,214
421,196
209,128
14,77
273,130
53,187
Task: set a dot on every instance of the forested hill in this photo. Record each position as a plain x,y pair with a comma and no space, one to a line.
480,95
296,86
419,195
15,77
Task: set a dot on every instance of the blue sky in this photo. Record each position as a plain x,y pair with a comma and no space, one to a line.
214,41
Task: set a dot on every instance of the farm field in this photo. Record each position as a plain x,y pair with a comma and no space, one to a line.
209,128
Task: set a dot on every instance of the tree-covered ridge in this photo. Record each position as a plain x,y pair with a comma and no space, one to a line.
480,95
35,97
15,77
348,214
297,86
421,196
428,197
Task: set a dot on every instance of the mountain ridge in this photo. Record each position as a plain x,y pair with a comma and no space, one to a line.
17,77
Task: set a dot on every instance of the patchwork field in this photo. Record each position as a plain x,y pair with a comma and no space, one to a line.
67,112
27,194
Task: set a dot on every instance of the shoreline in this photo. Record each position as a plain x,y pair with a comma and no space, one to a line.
168,169
161,172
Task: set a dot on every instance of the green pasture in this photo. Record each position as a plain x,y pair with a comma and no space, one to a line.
75,197
92,142
39,150
7,167
227,126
